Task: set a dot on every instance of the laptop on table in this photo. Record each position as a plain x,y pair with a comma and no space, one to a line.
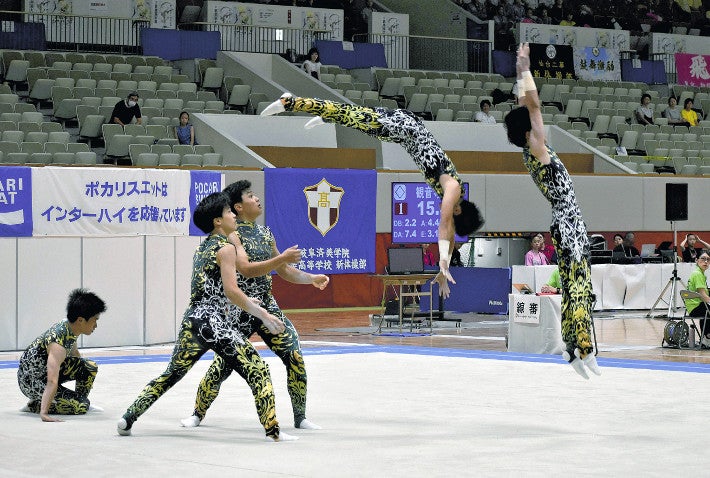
405,260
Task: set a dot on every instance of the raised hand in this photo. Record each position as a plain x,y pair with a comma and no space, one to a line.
320,281
522,62
292,255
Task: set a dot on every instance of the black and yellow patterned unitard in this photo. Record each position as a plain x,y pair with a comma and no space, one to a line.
208,325
32,373
569,236
258,242
394,126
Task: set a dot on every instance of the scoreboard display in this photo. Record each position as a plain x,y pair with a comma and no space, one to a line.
416,213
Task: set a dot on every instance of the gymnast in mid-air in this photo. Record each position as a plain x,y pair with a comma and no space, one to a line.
403,127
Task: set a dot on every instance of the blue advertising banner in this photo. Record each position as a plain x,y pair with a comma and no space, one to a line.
15,201
202,184
329,213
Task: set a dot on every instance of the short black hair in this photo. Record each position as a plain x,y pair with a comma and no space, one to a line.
517,123
235,191
83,303
312,51
619,236
209,209
644,96
484,102
184,113
469,221
687,100
133,93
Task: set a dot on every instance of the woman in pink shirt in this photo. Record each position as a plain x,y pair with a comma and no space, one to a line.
535,256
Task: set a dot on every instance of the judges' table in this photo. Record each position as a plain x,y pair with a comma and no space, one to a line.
617,286
534,324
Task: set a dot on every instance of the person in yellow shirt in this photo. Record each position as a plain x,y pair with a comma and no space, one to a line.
688,113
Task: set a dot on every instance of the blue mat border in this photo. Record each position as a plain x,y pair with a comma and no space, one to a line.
431,351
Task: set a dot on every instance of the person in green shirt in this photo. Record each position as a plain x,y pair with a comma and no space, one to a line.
697,282
554,285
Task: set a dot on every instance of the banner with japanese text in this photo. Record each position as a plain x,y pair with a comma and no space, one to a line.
592,63
110,201
692,69
551,61
329,213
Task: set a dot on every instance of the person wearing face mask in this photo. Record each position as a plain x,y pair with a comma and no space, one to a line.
125,110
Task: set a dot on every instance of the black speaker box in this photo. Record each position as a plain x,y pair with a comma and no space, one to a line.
676,201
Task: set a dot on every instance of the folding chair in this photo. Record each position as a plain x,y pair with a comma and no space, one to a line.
678,334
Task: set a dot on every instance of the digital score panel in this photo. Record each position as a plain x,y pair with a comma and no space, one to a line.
416,213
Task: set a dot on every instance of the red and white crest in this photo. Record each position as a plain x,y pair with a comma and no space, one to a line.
323,205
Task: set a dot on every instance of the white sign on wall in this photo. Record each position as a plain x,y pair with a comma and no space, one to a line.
574,36
384,24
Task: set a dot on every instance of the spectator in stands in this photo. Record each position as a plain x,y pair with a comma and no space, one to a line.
673,113
530,17
516,12
554,284
627,247
569,20
618,241
484,115
697,282
366,15
535,256
644,113
185,132
557,13
312,64
688,113
125,110
690,252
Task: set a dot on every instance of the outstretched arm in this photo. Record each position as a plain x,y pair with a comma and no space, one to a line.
260,268
55,356
527,96
295,276
452,195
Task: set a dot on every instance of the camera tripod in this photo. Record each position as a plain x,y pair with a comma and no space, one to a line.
672,284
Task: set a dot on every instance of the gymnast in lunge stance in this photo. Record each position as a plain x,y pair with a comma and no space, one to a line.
403,127
53,359
207,324
569,233
257,256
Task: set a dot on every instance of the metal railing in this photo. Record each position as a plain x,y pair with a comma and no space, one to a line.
80,33
259,39
434,53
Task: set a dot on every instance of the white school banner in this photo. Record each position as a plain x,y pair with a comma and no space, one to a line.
115,202
574,36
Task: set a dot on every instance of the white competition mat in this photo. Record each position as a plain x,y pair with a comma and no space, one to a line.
386,412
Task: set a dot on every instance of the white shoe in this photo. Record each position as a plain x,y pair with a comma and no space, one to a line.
282,437
191,422
576,364
312,123
591,363
276,107
94,408
122,428
308,425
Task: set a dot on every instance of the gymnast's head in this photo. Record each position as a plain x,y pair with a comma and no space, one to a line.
235,192
212,207
467,219
518,126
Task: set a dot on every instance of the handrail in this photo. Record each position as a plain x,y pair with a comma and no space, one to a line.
427,52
